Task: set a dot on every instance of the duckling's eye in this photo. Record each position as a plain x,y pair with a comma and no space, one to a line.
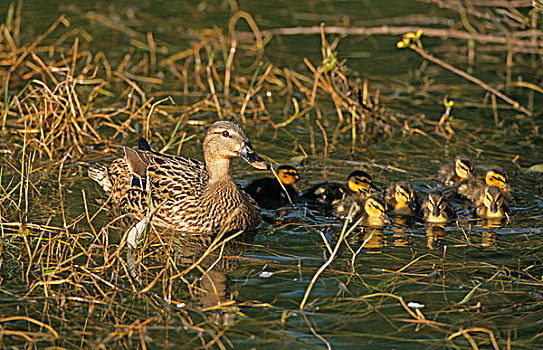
225,133
498,179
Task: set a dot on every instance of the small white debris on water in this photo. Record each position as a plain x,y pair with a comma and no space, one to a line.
414,305
265,274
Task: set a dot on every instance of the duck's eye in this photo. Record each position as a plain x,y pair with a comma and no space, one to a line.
225,133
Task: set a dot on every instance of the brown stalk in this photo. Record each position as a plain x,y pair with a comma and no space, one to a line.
471,78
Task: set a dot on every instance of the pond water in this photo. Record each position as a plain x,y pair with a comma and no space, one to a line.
470,284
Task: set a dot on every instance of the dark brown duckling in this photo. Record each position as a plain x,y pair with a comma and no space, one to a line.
269,193
490,203
436,209
401,199
359,183
453,174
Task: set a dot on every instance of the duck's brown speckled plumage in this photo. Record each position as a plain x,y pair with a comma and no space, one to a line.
183,193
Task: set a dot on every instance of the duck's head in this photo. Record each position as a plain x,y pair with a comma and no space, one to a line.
404,194
497,177
436,204
463,167
493,201
225,140
360,182
376,208
288,175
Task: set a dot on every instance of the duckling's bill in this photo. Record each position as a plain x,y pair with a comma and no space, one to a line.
248,153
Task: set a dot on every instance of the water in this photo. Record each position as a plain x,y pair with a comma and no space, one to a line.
474,281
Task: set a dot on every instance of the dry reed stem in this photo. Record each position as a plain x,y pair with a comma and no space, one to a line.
471,78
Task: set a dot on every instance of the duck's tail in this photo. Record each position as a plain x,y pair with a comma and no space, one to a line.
100,174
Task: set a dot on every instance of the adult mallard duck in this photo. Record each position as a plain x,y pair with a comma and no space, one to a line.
453,174
490,203
492,176
182,193
359,184
436,209
401,198
269,193
371,210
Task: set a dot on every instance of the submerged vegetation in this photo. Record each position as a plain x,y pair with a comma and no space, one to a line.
68,279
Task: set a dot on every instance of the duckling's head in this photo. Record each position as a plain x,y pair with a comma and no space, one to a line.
360,182
288,175
494,202
404,194
225,140
375,209
463,167
436,204
497,177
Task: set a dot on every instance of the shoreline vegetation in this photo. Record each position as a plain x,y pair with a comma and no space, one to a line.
61,100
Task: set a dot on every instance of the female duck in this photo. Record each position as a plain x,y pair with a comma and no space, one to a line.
182,193
269,193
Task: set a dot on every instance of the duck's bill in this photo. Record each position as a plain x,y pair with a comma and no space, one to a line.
493,207
248,153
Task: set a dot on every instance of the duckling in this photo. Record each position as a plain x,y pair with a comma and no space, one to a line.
186,194
452,175
436,209
359,183
490,203
401,198
493,176
372,210
269,193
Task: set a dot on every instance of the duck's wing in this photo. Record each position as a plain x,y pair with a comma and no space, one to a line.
167,176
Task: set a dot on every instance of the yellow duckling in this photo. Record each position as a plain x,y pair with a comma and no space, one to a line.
452,175
436,209
372,210
182,193
493,176
401,198
269,193
490,203
359,183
